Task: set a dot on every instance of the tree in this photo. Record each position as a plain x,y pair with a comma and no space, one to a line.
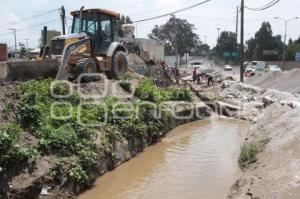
250,48
178,31
292,48
202,49
227,42
264,41
123,20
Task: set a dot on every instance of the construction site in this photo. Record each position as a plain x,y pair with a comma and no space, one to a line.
97,111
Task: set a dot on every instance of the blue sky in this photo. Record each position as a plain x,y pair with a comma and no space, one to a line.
217,13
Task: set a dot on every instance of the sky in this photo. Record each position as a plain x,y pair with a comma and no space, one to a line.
24,15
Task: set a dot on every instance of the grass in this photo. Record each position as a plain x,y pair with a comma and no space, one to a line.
250,150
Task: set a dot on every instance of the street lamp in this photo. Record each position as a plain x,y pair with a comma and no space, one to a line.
285,32
218,35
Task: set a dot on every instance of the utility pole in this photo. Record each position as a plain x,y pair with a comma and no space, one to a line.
175,37
16,48
136,29
27,45
218,35
237,25
205,39
285,32
63,19
242,42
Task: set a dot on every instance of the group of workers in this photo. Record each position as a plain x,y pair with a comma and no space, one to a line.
202,76
197,77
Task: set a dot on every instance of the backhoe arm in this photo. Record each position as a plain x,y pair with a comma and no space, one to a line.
67,52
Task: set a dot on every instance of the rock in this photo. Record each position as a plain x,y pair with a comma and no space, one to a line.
45,190
267,101
294,104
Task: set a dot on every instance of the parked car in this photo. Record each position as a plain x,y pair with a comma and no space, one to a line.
227,68
273,68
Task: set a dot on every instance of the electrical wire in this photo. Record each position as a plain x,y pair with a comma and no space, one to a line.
174,12
31,17
143,14
30,27
265,7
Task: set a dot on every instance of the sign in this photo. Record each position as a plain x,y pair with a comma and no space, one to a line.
270,52
231,54
297,57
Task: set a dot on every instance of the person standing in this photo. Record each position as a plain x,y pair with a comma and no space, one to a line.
209,80
194,74
177,75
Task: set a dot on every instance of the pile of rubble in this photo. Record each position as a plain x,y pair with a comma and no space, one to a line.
288,81
276,115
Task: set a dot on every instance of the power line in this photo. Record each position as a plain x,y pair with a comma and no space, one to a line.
267,6
174,12
30,27
140,14
30,17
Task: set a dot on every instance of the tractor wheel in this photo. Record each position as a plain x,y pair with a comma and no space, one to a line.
86,66
119,65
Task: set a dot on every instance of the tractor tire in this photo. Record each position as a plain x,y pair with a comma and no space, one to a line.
119,65
86,66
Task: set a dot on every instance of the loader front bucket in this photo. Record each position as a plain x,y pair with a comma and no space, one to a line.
28,70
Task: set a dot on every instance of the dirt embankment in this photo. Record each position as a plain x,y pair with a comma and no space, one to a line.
287,81
275,115
69,157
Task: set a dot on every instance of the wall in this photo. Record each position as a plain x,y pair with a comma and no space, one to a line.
3,52
2,70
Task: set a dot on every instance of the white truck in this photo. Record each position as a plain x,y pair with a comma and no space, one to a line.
258,65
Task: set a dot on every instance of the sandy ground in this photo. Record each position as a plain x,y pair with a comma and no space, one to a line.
288,81
276,115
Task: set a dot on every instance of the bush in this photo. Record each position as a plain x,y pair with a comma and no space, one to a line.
61,140
11,153
77,175
149,92
249,152
72,170
126,85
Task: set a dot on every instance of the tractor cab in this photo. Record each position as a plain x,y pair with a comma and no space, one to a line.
99,24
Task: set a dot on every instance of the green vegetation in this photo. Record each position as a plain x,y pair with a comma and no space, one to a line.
147,91
250,150
126,85
77,143
12,153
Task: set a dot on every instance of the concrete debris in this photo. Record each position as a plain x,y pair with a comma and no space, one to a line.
275,115
45,190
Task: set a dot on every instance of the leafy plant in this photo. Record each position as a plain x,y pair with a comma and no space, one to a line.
250,150
148,91
61,140
11,153
126,85
77,174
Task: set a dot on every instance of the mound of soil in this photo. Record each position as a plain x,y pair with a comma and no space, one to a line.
9,101
288,81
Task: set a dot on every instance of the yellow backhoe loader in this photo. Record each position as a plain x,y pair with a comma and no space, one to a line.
92,47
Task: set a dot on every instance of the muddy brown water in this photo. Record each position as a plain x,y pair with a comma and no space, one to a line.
197,160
